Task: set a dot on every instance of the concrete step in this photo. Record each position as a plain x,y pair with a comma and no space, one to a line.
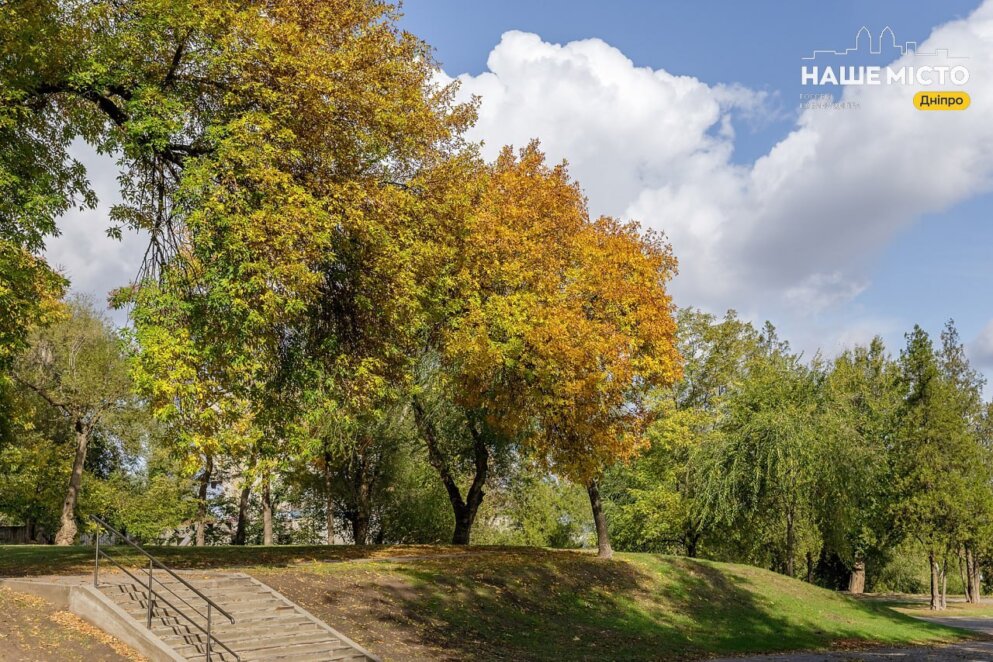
181,635
257,643
297,652
266,627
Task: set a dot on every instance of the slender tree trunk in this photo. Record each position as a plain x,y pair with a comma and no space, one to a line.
362,484
266,510
604,550
464,509
810,568
790,545
329,500
973,594
935,604
241,532
944,583
856,582
208,470
67,522
977,583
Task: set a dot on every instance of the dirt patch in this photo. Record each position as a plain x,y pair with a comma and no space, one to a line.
33,630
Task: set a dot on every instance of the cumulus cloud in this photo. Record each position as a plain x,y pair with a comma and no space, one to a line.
981,349
796,230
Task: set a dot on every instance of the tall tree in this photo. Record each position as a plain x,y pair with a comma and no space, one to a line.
79,368
967,385
936,459
656,497
861,401
762,465
257,149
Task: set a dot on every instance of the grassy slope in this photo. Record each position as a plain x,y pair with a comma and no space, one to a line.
535,604
553,606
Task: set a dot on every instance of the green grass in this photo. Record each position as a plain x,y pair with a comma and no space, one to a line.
541,605
532,604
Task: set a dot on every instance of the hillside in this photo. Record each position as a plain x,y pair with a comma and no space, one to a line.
439,602
557,605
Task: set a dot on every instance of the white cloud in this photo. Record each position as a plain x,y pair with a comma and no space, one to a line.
981,349
793,232
95,263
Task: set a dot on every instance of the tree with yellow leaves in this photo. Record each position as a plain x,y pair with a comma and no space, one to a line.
554,330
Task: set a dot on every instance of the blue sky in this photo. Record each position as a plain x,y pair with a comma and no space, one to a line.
934,265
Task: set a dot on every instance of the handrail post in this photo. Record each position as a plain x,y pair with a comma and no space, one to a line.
148,621
208,632
96,560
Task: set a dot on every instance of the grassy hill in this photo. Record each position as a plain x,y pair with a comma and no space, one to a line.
513,603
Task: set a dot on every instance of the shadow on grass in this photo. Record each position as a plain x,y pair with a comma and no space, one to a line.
539,605
34,560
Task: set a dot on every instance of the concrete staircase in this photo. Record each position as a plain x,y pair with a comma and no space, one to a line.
267,626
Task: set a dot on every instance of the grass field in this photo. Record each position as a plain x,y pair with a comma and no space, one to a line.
515,603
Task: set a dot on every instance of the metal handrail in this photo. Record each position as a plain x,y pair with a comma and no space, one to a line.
154,595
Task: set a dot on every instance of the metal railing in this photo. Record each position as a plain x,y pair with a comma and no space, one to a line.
154,595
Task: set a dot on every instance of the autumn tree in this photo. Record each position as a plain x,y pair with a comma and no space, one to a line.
78,367
257,149
188,394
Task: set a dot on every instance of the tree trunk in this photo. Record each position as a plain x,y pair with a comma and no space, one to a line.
810,568
944,584
464,509
362,485
856,582
360,528
692,540
241,531
604,550
935,604
266,511
790,545
208,469
973,594
329,501
67,523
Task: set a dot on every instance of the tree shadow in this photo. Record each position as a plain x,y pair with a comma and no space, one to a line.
544,605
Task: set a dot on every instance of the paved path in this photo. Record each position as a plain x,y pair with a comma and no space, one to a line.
972,651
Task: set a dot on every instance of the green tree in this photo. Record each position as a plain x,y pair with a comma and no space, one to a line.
937,459
967,389
761,469
654,500
79,368
861,401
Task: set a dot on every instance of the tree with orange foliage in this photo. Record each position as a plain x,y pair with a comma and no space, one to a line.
609,342
555,329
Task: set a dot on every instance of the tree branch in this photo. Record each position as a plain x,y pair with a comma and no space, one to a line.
41,393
